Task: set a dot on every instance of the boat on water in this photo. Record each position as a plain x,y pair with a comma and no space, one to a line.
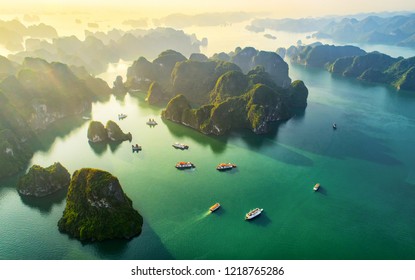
253,213
334,126
151,122
184,165
225,166
214,207
180,146
316,187
122,116
86,118
136,148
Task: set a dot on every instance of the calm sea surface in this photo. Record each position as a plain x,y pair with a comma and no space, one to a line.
363,210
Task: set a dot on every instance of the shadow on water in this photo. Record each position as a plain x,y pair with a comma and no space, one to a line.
98,148
59,129
146,246
220,212
321,190
262,220
44,204
217,144
268,145
114,146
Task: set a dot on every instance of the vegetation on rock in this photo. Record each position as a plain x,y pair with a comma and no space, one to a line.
97,208
111,132
41,181
33,96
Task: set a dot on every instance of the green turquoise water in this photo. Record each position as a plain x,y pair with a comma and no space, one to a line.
363,210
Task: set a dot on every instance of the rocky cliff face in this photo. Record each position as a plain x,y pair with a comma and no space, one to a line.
41,181
253,109
97,132
98,209
249,58
318,55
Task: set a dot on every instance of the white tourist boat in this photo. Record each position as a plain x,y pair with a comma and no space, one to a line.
253,213
151,122
180,146
122,116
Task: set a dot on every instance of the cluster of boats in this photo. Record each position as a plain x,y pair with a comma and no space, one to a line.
249,216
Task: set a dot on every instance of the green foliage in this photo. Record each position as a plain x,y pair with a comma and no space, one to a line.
407,81
115,133
41,181
14,154
378,68
156,94
176,107
230,84
97,208
196,79
96,132
298,94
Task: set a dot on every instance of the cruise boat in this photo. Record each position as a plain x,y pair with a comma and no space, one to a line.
184,165
316,187
214,207
151,122
122,116
253,213
225,166
180,146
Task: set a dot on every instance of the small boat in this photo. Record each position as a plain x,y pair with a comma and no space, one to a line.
151,122
253,213
122,116
316,187
184,165
225,166
334,126
180,146
136,148
214,207
86,118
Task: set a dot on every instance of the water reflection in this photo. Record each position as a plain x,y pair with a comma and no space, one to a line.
59,129
216,144
44,204
98,148
146,246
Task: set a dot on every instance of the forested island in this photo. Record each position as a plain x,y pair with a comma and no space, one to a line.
244,89
98,209
111,132
40,181
33,96
354,62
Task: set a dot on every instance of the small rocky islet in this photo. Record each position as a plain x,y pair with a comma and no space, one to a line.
40,181
97,133
97,208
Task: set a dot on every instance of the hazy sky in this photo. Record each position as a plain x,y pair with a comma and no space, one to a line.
278,8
